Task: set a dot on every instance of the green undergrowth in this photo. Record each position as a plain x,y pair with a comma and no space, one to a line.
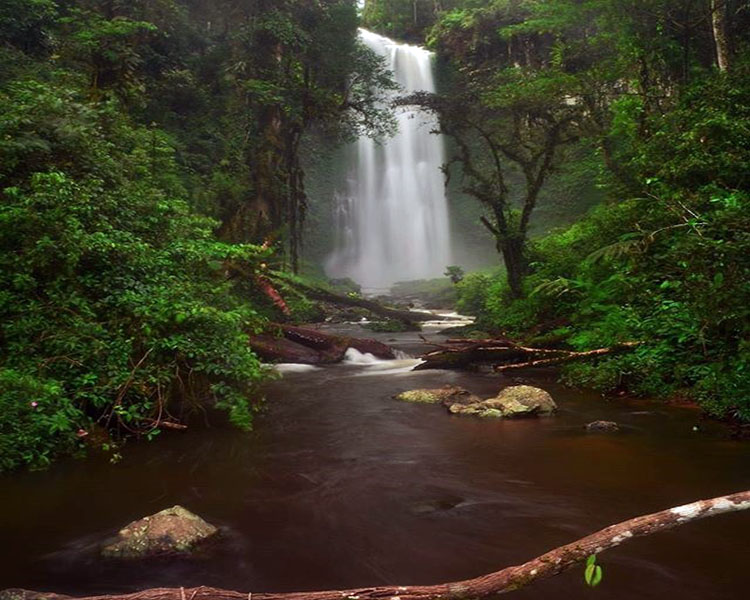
115,308
669,268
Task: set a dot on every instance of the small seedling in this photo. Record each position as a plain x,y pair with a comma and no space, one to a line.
593,572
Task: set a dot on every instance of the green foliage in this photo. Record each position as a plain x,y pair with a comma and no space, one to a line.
454,273
37,421
25,24
113,301
401,19
665,260
436,293
123,125
669,269
593,572
472,292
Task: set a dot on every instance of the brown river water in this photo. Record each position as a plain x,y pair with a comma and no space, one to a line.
341,486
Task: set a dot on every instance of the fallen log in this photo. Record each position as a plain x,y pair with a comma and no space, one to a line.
504,355
506,580
318,293
303,345
569,357
275,348
465,357
167,425
272,293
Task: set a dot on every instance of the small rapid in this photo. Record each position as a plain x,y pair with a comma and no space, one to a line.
403,363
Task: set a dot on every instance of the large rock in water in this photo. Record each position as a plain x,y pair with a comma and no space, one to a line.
522,401
602,427
449,395
172,531
512,402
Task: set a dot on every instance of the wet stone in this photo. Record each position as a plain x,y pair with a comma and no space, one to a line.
602,427
447,396
172,531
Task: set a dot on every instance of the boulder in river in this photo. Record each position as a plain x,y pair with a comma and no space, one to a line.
172,531
522,401
478,409
512,402
448,396
602,427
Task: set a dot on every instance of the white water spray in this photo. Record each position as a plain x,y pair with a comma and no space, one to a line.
392,216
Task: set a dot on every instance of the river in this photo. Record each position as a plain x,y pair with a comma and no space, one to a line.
340,485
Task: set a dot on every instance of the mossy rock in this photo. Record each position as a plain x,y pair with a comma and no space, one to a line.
602,427
522,401
447,396
511,403
172,531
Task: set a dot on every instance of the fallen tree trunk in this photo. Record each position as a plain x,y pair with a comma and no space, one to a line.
318,293
467,356
569,357
303,345
504,355
507,580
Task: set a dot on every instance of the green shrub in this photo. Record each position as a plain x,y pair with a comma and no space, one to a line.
670,269
114,305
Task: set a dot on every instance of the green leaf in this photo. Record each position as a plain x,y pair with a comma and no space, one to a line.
593,573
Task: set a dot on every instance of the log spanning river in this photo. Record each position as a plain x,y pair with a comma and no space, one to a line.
342,486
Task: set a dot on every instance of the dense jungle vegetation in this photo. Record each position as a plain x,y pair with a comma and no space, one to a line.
151,172
660,91
149,168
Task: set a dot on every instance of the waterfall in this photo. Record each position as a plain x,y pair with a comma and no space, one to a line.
391,221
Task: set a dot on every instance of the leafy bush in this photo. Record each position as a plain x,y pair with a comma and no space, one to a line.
670,269
36,420
113,302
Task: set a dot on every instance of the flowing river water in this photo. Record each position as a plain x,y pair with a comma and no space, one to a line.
340,486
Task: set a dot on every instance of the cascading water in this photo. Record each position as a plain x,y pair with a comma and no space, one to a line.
392,216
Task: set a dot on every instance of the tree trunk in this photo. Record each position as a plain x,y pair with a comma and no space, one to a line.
506,580
317,293
512,249
719,26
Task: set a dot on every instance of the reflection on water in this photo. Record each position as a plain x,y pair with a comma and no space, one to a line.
342,486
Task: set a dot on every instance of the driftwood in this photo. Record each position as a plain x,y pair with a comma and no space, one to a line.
504,354
507,580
